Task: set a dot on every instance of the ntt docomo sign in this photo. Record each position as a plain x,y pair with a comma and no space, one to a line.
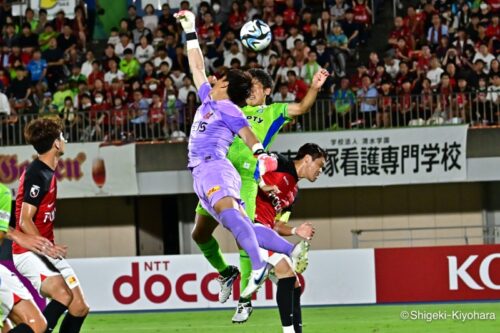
438,273
189,282
166,287
360,276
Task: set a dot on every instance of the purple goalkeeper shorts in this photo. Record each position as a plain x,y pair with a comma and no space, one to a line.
215,180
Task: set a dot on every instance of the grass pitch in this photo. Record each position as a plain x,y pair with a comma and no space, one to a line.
448,318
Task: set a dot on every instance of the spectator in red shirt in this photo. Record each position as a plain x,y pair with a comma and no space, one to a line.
357,78
415,23
120,118
95,74
290,16
156,116
296,86
402,50
373,61
116,90
362,13
236,17
99,111
493,30
60,21
399,31
208,23
424,58
306,21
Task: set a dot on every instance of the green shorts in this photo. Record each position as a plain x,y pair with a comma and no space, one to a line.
248,194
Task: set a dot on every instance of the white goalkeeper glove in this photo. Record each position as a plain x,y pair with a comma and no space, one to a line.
187,20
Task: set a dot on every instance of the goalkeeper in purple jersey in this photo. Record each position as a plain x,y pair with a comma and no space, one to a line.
215,180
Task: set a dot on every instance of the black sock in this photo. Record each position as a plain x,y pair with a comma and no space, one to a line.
297,312
245,300
71,324
228,271
21,328
53,311
284,298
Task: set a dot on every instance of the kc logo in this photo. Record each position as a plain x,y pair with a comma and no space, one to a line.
455,272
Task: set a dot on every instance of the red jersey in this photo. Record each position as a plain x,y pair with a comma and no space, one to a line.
37,187
299,89
361,14
279,32
156,114
270,205
290,17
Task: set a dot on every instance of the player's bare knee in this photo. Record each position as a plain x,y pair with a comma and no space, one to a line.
39,325
199,236
283,269
79,308
63,295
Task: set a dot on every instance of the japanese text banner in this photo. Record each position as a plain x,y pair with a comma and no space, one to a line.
385,157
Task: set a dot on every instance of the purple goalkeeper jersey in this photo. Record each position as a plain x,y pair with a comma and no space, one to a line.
214,127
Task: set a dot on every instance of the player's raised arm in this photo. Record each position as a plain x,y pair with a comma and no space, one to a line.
297,109
195,56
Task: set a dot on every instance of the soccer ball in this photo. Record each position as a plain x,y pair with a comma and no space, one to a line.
256,35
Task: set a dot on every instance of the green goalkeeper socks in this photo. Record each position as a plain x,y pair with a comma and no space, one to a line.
212,252
245,271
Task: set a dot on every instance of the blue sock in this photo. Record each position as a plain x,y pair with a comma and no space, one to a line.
241,228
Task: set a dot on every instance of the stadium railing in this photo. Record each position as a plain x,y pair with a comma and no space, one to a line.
325,115
455,235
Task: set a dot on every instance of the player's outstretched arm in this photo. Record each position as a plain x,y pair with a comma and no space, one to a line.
195,56
297,109
305,231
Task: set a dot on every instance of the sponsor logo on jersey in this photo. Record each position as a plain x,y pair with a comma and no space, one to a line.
71,280
255,119
208,115
49,216
4,216
34,191
213,190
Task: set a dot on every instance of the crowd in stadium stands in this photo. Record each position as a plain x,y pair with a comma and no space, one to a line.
441,65
139,86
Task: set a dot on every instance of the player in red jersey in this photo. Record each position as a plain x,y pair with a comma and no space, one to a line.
273,210
35,215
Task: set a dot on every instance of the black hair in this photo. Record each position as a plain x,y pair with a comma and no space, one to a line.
240,85
235,61
262,76
312,150
291,72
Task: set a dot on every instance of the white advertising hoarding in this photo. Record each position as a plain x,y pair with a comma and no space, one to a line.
52,7
189,282
376,158
85,170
